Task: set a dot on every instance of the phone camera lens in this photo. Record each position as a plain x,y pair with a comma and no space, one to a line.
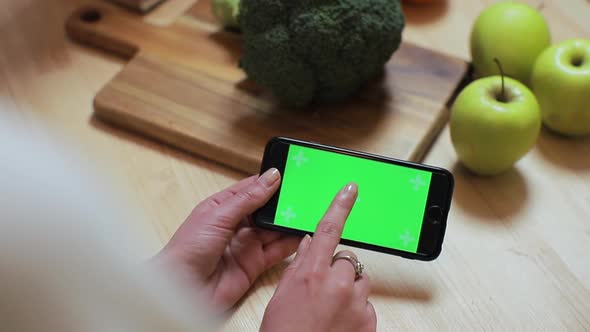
434,214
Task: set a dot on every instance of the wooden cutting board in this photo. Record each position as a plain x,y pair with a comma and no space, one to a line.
143,6
182,86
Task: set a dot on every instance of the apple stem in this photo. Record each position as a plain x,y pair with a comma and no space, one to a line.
541,6
502,94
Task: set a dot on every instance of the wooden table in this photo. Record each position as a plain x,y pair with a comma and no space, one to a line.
516,254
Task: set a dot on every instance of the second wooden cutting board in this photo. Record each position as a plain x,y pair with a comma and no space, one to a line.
182,86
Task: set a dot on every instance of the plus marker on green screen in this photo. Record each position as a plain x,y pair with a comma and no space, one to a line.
390,205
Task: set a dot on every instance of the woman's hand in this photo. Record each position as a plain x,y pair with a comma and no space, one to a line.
218,250
316,294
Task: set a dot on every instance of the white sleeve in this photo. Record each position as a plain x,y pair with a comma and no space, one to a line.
67,263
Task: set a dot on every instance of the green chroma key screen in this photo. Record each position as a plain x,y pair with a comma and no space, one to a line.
388,212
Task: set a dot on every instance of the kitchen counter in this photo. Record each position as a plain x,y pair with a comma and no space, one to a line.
515,256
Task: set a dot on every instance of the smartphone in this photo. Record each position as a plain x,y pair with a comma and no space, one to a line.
401,209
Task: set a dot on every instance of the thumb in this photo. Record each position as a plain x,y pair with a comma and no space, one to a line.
205,238
299,258
233,210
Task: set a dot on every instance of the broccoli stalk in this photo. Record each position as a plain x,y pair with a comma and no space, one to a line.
318,50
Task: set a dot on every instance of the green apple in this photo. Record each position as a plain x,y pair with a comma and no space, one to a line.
512,32
226,12
561,82
492,130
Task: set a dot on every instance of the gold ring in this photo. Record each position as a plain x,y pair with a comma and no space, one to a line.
358,266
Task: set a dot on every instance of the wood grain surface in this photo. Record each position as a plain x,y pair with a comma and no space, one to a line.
515,255
183,86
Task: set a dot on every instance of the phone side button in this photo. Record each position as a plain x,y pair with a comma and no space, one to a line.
434,214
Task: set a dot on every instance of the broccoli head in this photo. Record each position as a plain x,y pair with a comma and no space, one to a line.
317,50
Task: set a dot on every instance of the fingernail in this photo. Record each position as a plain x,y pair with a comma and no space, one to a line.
303,244
349,191
270,177
306,238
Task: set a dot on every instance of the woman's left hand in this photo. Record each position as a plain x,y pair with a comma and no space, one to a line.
219,251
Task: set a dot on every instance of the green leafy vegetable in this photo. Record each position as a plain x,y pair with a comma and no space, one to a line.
318,50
